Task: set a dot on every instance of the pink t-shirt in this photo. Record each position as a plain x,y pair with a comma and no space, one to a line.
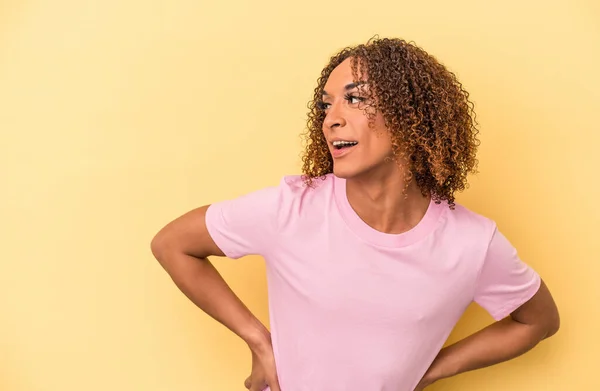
352,308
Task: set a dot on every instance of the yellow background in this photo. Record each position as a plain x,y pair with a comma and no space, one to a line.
118,116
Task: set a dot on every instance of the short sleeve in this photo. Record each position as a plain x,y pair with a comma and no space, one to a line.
244,225
505,282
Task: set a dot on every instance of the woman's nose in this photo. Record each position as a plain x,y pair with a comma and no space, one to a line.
335,117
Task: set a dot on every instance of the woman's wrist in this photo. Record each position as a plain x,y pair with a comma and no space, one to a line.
441,368
257,337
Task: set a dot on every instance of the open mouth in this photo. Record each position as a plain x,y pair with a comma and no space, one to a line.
344,144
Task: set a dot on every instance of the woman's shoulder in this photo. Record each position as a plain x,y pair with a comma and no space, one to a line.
300,186
298,196
466,219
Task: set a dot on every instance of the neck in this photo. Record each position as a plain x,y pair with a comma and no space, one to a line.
380,201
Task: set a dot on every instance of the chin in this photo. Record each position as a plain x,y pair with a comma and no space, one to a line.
344,172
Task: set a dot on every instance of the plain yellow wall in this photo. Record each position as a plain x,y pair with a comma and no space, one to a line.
117,116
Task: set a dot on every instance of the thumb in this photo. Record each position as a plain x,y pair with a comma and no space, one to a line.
258,387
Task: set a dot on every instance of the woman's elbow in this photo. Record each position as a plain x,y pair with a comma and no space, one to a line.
159,245
553,327
552,323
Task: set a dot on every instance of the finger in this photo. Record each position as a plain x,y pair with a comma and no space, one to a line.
258,386
248,382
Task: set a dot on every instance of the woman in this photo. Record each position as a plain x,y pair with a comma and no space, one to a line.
370,262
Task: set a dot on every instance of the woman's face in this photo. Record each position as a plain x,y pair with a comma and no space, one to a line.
363,149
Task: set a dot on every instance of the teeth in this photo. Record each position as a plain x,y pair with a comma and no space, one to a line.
343,143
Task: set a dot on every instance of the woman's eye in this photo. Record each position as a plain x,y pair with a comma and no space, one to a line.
354,99
351,99
323,105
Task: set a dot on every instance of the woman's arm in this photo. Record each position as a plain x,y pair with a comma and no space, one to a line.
534,321
182,248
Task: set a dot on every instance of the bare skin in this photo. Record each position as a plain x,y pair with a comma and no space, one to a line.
375,191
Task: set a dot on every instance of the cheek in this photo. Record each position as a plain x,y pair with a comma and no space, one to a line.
382,144
380,138
377,147
375,139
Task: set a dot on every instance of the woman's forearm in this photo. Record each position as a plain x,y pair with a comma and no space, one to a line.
496,343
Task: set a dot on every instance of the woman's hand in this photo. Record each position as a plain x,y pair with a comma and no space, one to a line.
264,372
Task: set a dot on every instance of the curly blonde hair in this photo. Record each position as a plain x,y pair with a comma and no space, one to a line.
425,108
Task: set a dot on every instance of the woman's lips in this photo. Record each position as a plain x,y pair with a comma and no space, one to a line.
336,153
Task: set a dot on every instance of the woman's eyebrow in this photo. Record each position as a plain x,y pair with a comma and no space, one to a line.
348,87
